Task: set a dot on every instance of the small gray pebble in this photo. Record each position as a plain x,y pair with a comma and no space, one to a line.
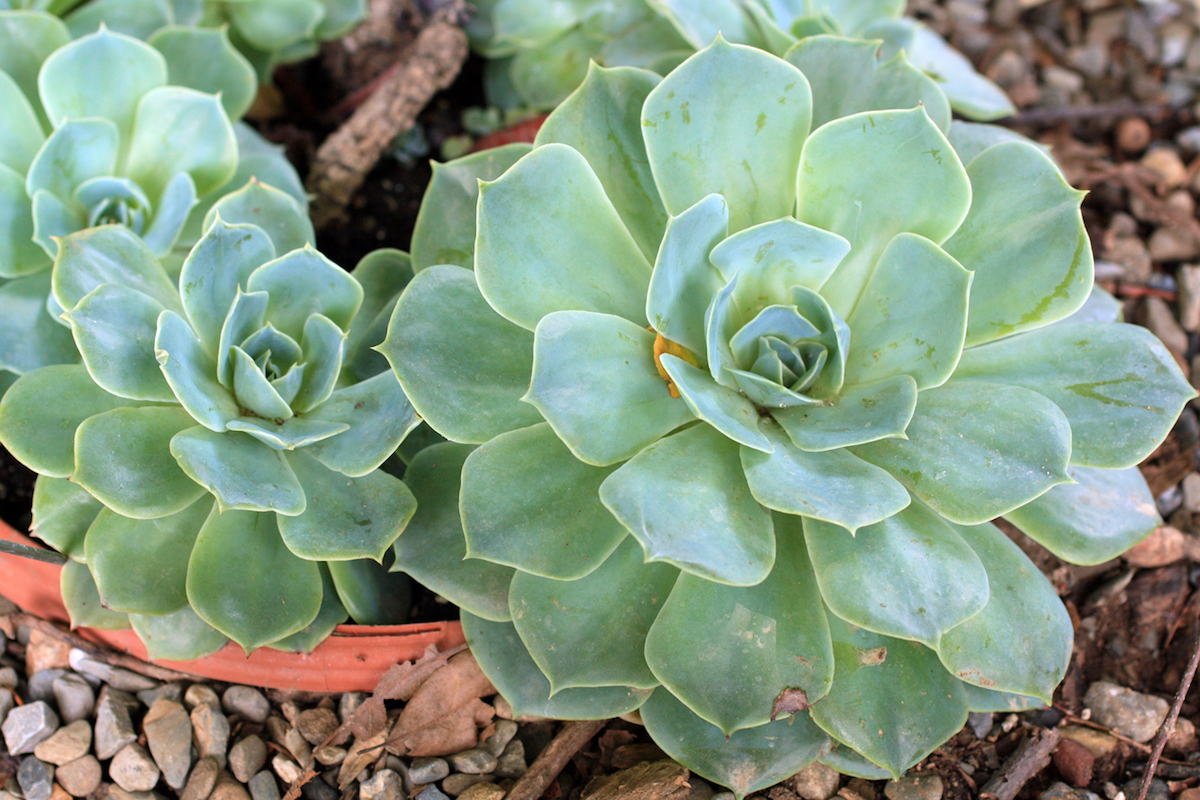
434,793
383,785
428,770
41,684
200,694
75,698
116,677
1060,791
210,732
169,736
201,781
263,786
3,643
511,763
349,703
80,777
28,725
980,723
1131,713
171,691
133,769
320,790
247,757
9,677
506,729
247,703
36,779
6,702
114,729
459,782
475,761
1158,789
317,724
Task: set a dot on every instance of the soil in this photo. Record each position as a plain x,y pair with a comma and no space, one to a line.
1134,625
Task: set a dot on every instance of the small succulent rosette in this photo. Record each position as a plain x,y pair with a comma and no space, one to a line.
735,383
98,132
539,49
212,467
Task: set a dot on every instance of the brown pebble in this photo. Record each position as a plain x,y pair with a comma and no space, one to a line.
229,789
80,777
59,793
202,780
1074,762
1189,794
1133,134
482,791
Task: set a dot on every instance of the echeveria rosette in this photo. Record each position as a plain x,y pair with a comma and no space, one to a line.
215,458
734,389
149,154
538,50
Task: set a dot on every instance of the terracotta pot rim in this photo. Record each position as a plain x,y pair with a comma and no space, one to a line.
351,660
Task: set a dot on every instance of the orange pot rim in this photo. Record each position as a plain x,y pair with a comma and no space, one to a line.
351,660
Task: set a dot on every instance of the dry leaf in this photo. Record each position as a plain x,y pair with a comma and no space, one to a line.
363,753
445,713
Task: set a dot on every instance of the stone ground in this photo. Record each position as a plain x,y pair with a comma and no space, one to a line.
1114,87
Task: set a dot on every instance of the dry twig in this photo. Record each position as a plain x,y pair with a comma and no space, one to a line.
1030,758
545,767
1168,726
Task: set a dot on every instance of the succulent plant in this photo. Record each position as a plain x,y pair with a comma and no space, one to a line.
81,149
540,49
735,384
212,467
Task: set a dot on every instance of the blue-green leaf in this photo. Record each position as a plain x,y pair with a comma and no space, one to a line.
379,416
109,254
292,433
214,270
77,151
191,373
728,411
200,140
114,328
83,601
859,414
242,472
181,636
62,512
302,283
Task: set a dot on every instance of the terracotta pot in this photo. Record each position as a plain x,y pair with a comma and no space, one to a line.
351,660
521,132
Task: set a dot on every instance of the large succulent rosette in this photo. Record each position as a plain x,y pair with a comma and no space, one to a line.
212,467
538,50
741,374
108,129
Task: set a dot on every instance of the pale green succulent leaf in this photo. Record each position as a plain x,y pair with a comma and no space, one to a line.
214,270
204,59
686,501
181,636
745,761
339,17
852,16
191,373
240,471
771,258
528,503
140,565
282,216
1021,641
700,23
200,141
274,25
977,450
243,580
432,548
728,411
371,594
744,146
383,274
912,316
848,762
536,253
21,135
831,485
914,576
684,280
379,416
510,668
27,38
1100,306
76,81
137,19
62,512
863,80
53,219
602,121
29,336
759,640
545,76
109,254
893,686
528,23
253,391
83,601
444,232
591,632
901,176
972,138
302,283
114,327
463,366
123,458
246,315
1025,241
859,414
1096,518
41,411
332,614
1118,386
178,199
990,701
324,345
601,421
80,149
293,433
19,253
346,518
